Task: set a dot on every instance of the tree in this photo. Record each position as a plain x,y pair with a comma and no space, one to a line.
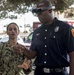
21,6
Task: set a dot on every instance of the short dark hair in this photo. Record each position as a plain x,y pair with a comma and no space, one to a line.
44,4
12,23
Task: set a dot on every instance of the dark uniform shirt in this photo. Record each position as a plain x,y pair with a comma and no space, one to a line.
52,43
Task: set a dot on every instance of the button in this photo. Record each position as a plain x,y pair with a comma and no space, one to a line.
46,30
53,36
45,62
45,45
45,53
44,37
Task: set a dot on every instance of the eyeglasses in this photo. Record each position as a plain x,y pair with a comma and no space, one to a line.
38,11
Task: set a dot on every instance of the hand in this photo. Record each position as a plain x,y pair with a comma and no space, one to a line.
18,48
26,64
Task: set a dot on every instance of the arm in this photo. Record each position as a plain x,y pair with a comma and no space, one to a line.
71,63
31,53
28,53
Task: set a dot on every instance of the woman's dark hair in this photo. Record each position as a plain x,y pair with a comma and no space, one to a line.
12,23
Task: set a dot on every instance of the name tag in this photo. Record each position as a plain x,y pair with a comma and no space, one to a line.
46,70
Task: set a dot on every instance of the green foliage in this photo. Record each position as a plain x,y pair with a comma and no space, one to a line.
21,6
63,4
27,2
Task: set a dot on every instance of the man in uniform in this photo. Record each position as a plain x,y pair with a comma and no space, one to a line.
52,42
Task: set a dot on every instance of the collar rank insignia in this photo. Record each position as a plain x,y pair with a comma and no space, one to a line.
56,29
72,31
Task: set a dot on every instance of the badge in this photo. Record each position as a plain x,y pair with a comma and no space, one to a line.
72,31
56,29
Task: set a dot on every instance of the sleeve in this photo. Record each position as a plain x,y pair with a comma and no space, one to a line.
69,39
1,62
1,47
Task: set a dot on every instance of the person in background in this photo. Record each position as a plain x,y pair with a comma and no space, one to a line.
52,43
10,59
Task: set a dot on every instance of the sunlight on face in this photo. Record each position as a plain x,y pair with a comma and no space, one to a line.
12,31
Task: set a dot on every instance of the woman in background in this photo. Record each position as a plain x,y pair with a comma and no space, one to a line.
10,58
